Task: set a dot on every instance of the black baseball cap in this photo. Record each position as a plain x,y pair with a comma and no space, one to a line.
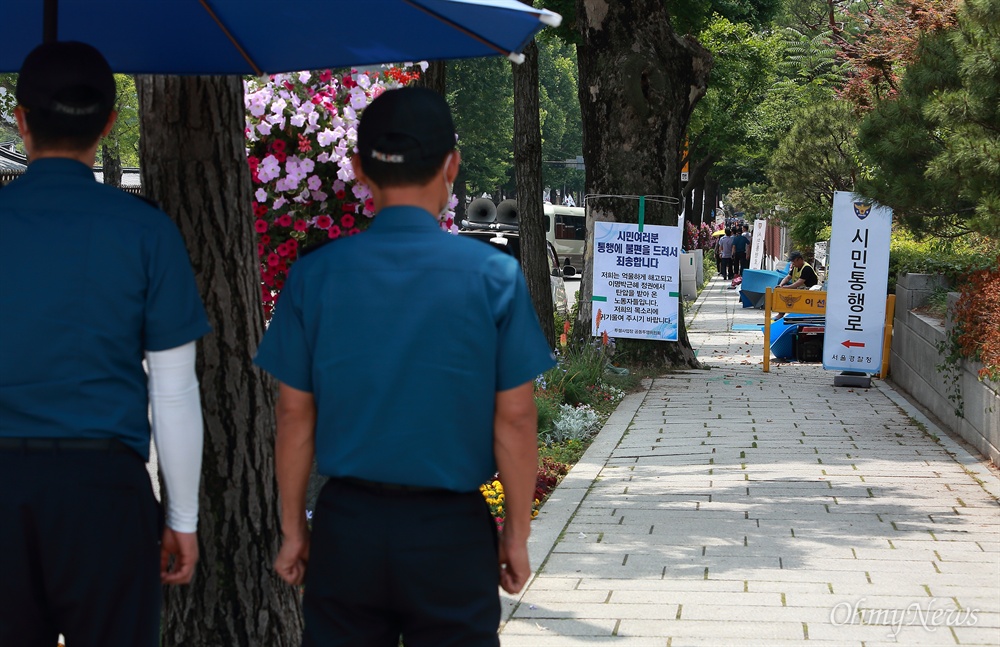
794,255
70,82
410,125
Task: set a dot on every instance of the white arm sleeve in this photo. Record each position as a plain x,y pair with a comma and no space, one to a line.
177,430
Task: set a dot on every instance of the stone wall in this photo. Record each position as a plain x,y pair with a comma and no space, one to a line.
913,368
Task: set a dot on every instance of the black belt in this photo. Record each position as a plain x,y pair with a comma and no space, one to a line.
391,488
64,444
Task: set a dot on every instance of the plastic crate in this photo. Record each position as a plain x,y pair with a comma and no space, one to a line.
809,344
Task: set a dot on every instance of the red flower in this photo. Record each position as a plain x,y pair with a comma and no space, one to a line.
259,210
281,157
304,144
341,194
284,220
273,259
370,204
260,226
260,249
292,244
300,225
347,221
278,146
324,222
253,162
265,239
325,76
354,230
349,207
282,250
334,231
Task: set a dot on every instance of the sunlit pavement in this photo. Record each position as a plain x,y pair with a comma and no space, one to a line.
734,507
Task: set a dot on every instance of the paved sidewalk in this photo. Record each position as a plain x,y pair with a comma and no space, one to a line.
734,507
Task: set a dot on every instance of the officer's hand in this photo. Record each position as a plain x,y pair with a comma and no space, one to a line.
292,559
183,548
515,569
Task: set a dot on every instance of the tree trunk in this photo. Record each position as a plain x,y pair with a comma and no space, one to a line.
194,164
698,203
528,174
711,200
639,82
111,164
434,77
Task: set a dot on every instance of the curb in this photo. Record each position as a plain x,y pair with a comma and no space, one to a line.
564,501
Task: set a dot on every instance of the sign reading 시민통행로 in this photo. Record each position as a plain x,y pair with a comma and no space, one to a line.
636,281
856,288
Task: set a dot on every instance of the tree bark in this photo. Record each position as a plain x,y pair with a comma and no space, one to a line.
434,77
711,199
698,203
639,82
528,177
194,164
111,164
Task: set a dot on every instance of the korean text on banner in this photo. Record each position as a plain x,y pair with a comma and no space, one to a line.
757,245
636,281
855,299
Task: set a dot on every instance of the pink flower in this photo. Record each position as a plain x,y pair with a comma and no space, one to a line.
300,225
324,221
334,231
347,221
370,204
273,259
354,230
260,226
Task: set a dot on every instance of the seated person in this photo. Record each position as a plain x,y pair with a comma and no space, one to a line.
801,274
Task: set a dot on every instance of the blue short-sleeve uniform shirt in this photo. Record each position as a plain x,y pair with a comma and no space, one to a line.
93,278
404,334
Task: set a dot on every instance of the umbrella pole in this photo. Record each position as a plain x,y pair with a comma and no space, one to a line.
50,21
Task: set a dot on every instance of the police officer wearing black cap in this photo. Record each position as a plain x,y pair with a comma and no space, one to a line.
96,281
406,359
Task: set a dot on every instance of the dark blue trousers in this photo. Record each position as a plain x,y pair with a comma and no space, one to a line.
385,564
79,549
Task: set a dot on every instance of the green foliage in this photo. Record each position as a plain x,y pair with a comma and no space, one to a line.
481,95
816,158
723,124
123,139
951,257
934,152
559,108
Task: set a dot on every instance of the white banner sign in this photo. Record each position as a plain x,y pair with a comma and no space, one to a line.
636,281
820,250
757,245
856,292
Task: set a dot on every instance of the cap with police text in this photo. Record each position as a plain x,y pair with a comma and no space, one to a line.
69,81
406,126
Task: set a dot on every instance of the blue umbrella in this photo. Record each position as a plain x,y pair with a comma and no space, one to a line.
270,36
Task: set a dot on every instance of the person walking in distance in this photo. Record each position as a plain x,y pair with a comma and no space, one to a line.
726,252
83,550
406,359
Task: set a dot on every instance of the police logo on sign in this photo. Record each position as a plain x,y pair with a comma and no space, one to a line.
862,210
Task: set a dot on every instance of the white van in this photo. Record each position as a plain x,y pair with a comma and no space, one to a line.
566,229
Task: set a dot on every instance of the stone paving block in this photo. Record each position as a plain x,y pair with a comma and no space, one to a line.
539,596
593,611
746,613
666,584
513,640
545,627
687,598
710,629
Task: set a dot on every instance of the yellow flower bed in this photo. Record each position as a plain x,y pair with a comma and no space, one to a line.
495,498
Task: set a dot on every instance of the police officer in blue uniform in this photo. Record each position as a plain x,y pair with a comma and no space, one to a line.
95,282
406,359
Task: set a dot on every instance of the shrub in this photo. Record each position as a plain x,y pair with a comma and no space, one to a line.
573,423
